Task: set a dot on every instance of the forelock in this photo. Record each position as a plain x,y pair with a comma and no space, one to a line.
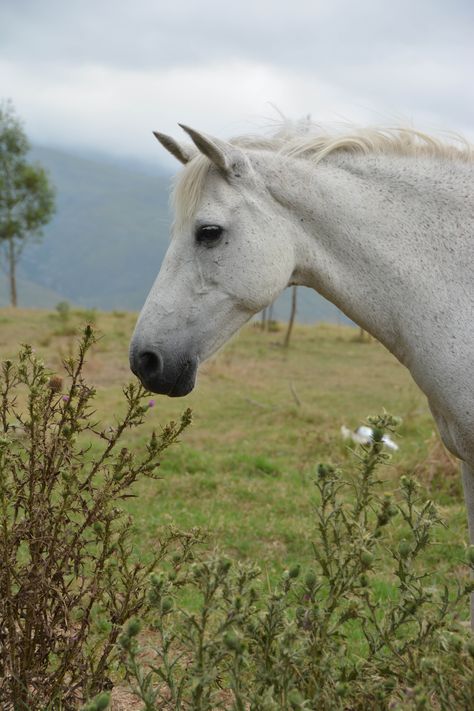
188,189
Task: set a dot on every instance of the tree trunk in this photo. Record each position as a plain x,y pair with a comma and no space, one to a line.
12,273
292,318
270,315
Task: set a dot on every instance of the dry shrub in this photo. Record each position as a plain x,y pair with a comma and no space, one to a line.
69,579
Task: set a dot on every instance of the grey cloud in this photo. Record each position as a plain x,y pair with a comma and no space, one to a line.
146,34
405,58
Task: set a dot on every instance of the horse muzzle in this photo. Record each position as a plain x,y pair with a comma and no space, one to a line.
162,373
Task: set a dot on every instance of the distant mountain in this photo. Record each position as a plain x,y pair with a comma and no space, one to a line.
106,242
29,294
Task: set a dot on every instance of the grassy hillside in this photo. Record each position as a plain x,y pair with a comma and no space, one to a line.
263,419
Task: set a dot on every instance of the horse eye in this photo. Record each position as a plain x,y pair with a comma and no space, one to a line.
208,234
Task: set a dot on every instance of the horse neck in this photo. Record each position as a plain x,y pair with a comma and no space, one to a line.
385,238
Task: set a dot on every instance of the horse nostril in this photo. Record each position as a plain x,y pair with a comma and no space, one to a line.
151,363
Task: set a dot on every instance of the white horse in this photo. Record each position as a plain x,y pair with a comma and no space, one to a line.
380,222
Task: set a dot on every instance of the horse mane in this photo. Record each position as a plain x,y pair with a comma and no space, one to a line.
307,140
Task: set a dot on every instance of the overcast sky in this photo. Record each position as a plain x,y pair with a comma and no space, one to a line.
102,74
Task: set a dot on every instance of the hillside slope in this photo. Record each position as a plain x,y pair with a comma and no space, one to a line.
29,294
108,237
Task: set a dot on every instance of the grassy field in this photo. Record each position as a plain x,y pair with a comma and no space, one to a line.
263,419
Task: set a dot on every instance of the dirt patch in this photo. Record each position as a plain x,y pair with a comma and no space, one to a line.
124,700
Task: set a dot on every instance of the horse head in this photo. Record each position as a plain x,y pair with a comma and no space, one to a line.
228,259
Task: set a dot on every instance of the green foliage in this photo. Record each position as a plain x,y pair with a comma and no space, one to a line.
99,703
26,197
244,646
69,578
63,310
66,324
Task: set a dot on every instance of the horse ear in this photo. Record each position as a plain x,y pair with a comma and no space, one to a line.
230,159
182,153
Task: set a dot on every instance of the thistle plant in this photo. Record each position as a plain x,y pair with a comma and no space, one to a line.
69,579
321,638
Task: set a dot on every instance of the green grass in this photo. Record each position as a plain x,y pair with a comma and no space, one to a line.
264,418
